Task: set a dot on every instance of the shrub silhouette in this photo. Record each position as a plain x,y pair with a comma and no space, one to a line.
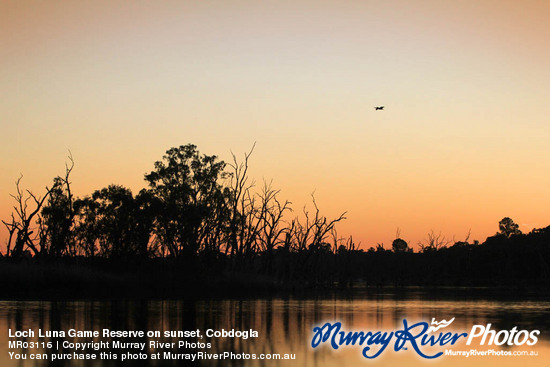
399,245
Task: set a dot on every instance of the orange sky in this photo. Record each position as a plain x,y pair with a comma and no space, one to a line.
462,143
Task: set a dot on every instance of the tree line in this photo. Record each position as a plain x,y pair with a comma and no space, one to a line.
194,204
200,210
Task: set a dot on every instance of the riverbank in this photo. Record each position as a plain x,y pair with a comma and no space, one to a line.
153,279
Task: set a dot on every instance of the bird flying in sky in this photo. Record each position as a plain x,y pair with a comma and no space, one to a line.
379,108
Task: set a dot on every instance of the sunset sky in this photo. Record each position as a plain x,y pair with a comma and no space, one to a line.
464,139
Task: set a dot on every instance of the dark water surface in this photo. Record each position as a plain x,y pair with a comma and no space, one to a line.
284,326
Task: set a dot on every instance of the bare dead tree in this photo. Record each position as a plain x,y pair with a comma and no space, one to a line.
323,226
342,244
241,203
27,230
274,210
312,244
468,235
434,242
56,220
273,231
314,230
12,227
20,229
251,224
301,233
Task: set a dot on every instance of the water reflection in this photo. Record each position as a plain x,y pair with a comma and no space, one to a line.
284,326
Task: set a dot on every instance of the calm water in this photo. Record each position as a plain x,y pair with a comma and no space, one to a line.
283,325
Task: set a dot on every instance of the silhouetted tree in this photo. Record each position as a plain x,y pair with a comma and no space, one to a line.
400,245
242,207
57,216
433,242
122,224
86,226
312,231
145,209
508,228
193,208
273,229
22,237
188,188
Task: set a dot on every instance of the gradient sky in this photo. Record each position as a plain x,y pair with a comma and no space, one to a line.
463,142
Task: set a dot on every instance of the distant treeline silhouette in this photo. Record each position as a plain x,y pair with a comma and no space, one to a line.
204,219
